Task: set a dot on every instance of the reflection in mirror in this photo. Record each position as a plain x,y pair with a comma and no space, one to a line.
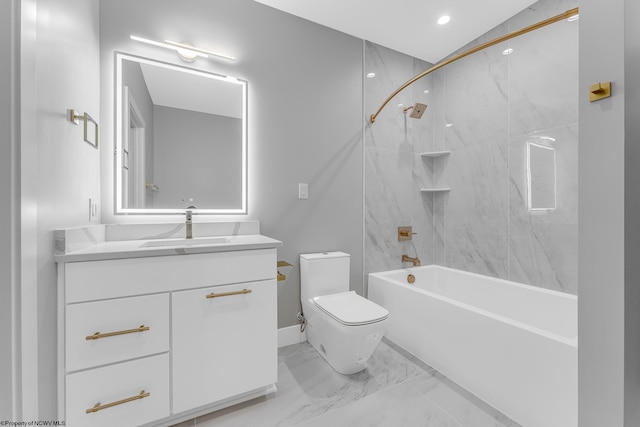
181,139
541,177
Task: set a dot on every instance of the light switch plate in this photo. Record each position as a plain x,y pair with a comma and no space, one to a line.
303,191
93,210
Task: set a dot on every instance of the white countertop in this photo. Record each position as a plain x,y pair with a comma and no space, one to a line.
90,244
138,248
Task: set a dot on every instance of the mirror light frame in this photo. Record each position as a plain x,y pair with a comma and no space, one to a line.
118,146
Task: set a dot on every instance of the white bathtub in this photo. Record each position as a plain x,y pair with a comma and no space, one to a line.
514,346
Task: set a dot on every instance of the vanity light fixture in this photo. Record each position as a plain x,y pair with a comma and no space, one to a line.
444,20
185,51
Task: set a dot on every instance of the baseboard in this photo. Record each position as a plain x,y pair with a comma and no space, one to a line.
290,335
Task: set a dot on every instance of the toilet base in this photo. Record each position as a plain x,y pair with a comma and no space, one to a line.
345,348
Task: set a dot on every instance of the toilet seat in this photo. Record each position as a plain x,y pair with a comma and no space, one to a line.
351,309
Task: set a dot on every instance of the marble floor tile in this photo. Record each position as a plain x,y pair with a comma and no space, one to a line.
399,405
458,403
396,389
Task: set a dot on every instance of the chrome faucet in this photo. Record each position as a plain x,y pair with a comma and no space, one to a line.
415,261
188,223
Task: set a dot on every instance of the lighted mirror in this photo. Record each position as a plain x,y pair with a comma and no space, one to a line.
541,177
181,139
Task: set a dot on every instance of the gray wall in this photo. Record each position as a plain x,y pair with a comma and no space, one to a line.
8,102
196,156
609,356
305,118
59,172
497,105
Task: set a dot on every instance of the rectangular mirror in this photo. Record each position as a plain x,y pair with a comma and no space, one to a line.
541,177
181,139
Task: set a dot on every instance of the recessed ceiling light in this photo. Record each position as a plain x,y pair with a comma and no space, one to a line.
507,51
371,75
444,19
448,125
426,91
573,18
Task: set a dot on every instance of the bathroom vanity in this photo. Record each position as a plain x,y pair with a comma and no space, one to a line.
157,331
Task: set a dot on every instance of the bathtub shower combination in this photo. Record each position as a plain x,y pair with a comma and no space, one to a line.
514,346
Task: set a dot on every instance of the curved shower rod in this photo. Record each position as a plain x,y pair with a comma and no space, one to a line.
565,15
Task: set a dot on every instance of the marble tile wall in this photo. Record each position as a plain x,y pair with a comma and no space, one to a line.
394,169
495,105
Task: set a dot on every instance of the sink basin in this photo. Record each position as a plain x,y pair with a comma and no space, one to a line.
186,242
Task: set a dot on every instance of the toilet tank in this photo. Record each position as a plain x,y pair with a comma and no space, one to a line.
323,273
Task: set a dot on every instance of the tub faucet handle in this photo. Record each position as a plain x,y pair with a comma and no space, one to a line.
405,233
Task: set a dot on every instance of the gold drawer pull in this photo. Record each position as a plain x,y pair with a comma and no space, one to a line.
226,294
99,407
98,335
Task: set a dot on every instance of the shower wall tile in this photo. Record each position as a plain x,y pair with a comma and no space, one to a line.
543,244
543,72
475,97
388,200
422,214
496,104
394,169
439,203
422,91
476,211
393,128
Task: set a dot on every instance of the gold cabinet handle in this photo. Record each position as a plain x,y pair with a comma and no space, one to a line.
99,335
99,407
226,294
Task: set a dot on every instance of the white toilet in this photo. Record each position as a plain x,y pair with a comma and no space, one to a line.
342,326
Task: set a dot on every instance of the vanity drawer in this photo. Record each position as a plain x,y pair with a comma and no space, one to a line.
128,327
94,280
118,388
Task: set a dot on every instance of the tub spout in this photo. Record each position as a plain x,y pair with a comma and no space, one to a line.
415,261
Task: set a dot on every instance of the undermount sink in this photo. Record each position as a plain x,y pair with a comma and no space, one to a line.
186,242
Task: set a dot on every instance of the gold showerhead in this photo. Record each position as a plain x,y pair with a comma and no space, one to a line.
418,110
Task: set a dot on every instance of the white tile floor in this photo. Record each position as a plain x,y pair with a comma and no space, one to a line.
395,390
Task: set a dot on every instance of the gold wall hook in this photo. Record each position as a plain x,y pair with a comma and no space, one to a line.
599,91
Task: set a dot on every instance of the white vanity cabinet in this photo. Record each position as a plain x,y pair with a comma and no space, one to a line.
219,337
155,340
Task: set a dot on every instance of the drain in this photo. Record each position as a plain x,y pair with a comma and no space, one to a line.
411,278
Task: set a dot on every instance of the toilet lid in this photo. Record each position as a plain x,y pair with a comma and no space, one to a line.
351,309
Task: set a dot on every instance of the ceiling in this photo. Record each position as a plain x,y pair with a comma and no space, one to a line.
407,26
193,91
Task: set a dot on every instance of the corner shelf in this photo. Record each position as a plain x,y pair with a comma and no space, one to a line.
435,153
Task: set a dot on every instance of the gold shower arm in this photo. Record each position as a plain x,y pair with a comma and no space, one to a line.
565,15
